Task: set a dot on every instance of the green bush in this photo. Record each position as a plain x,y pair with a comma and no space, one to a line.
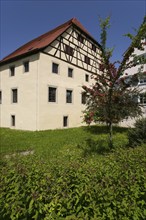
137,135
108,187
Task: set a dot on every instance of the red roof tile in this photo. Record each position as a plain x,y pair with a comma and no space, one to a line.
44,40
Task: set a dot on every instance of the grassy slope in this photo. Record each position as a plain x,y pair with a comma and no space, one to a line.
52,141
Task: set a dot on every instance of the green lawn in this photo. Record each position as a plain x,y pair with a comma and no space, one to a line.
71,176
52,141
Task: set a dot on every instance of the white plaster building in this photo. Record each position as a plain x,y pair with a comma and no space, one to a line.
41,82
142,82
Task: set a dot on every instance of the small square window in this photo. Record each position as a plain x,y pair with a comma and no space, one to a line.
14,96
52,94
87,60
65,121
26,66
55,68
0,97
80,38
70,72
69,50
13,120
93,47
86,77
12,71
68,96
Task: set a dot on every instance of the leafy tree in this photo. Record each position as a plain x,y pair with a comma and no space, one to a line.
113,96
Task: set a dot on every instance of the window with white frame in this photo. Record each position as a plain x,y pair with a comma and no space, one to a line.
142,98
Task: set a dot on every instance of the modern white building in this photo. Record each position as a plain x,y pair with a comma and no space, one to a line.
41,82
141,81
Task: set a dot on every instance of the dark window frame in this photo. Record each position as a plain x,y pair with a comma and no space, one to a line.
13,120
69,96
52,94
80,38
65,121
68,50
86,77
26,66
14,95
83,98
12,70
93,47
70,72
55,68
87,59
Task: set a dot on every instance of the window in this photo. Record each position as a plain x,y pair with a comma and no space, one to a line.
52,94
80,38
14,96
65,121
26,66
143,99
87,60
68,50
93,47
12,71
86,77
68,96
55,68
70,72
83,98
142,79
13,120
0,97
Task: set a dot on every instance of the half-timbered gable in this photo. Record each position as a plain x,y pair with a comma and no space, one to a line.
74,47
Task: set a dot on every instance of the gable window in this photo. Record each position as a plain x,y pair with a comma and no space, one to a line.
70,72
80,38
68,50
83,98
0,97
14,95
68,96
12,71
93,47
52,94
86,77
26,66
55,68
13,120
65,121
142,98
87,60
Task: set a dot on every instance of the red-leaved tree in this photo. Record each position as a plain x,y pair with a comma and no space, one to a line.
113,96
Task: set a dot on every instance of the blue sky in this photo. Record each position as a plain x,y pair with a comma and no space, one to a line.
21,21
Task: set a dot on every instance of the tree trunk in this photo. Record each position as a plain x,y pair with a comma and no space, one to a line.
110,135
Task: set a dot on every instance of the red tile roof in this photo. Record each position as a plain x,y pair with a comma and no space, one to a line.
44,40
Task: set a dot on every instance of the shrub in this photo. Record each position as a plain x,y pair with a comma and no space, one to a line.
137,135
